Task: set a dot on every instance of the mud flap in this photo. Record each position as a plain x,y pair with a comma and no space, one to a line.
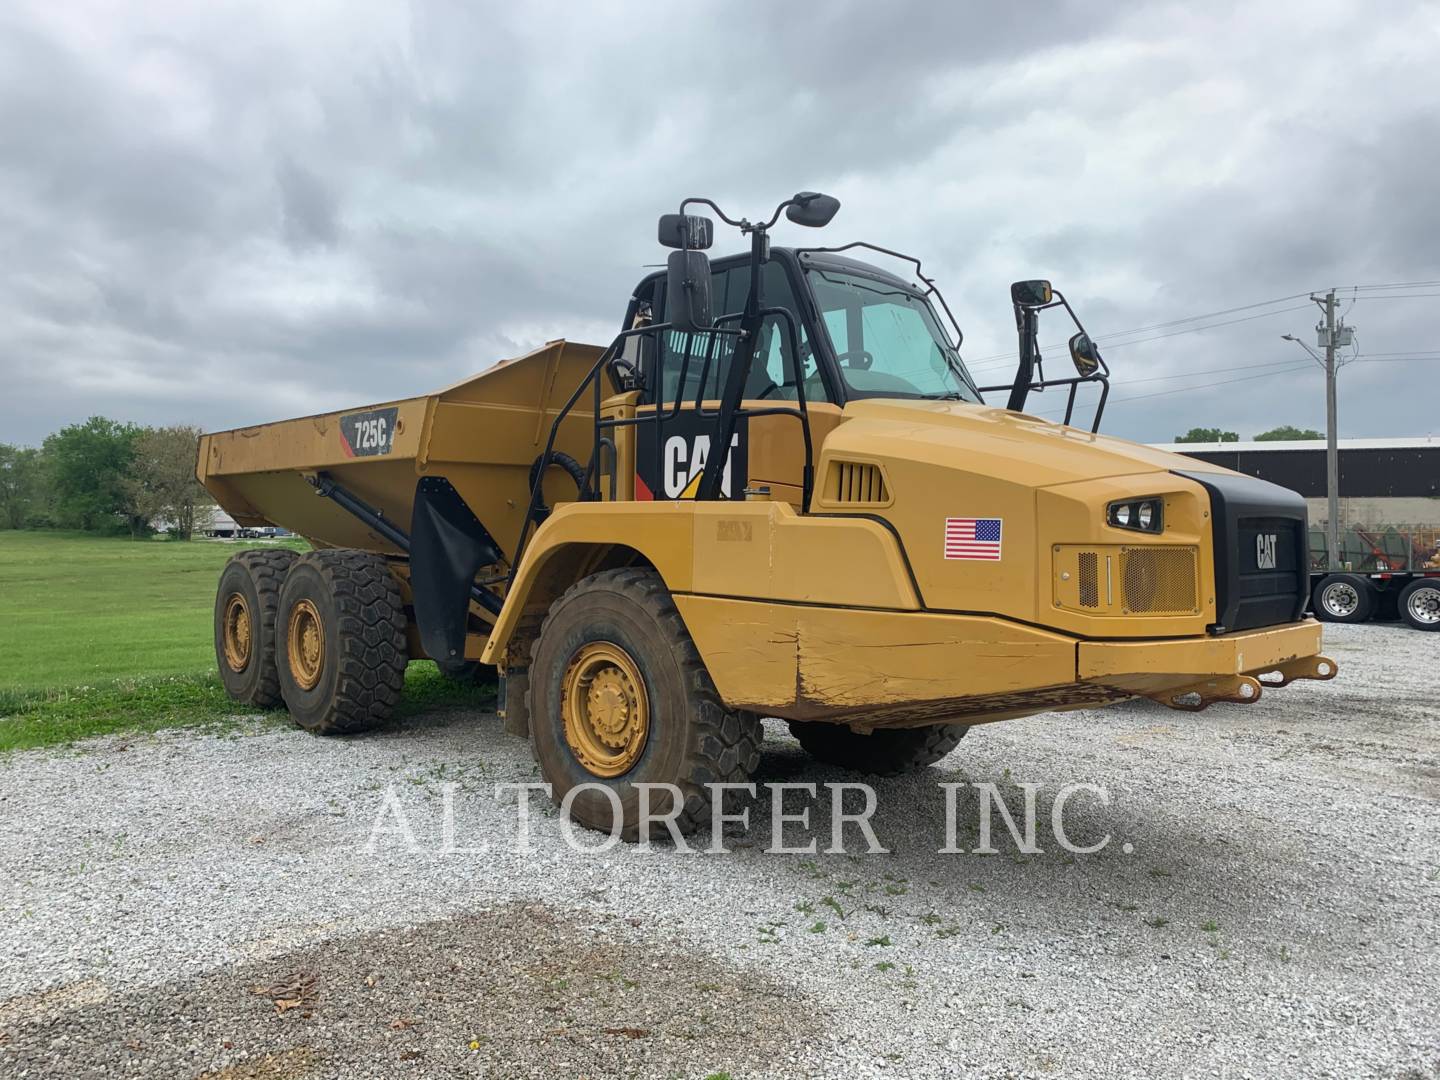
448,546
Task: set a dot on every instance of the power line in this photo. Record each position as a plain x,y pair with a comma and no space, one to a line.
1394,359
1208,326
1218,382
1107,343
1198,386
1109,340
1403,352
1208,315
1389,285
1208,371
1398,296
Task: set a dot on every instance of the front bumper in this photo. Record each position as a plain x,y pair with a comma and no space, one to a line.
1228,667
870,669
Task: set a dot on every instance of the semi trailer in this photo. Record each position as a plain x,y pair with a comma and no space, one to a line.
778,492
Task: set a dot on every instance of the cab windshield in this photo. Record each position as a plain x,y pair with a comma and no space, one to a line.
887,339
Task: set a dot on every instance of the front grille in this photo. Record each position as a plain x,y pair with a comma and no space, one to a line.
1261,572
1270,558
1157,580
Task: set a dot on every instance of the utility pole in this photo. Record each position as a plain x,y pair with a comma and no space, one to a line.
1332,336
1332,451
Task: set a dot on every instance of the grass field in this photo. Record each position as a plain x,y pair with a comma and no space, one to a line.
78,609
100,635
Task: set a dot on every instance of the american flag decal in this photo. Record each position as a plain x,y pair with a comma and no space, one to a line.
973,538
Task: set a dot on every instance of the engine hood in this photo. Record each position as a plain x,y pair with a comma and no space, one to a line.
996,441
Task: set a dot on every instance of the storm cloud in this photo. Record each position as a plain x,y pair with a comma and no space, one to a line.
222,214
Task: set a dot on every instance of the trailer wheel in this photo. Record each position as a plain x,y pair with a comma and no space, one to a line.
884,752
1346,598
618,696
245,605
1420,603
340,641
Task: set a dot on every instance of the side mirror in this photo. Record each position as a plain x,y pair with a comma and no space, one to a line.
812,209
1031,293
675,229
687,291
1084,355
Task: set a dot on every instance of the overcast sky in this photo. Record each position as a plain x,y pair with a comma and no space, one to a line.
224,214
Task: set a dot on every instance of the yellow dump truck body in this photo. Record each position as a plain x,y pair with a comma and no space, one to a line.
482,434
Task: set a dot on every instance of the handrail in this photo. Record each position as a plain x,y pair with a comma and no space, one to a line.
1074,385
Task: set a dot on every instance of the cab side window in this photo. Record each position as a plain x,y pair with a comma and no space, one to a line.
705,358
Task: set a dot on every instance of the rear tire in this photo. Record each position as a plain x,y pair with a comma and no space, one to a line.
1343,598
618,695
340,641
245,605
884,752
1419,604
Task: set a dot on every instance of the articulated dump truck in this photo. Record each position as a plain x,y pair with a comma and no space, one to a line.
778,492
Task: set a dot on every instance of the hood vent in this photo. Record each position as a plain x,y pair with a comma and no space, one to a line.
856,483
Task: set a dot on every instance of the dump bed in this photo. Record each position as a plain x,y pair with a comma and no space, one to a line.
482,435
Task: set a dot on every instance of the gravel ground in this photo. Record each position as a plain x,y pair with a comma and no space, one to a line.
185,905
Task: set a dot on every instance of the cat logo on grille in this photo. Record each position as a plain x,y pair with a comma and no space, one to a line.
1265,551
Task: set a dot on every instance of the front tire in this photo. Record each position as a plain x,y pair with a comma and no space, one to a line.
245,604
619,696
340,641
884,752
1343,598
1419,604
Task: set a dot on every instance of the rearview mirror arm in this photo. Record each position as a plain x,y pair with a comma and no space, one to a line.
1027,324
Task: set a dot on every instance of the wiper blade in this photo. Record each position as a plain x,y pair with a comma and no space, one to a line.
944,395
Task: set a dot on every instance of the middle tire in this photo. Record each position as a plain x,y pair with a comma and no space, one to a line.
884,752
340,641
619,696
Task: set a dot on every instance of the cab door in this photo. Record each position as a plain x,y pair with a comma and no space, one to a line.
684,382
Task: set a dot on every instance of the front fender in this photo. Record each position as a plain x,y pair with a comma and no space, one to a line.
743,550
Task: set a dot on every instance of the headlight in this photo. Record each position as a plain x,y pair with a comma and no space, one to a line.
1138,515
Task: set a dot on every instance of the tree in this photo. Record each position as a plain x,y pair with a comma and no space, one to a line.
89,463
161,481
1286,433
21,494
1207,434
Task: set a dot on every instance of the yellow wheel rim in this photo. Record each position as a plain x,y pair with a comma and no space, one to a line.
236,633
607,715
305,637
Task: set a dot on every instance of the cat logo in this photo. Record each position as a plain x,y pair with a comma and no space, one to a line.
1265,551
686,445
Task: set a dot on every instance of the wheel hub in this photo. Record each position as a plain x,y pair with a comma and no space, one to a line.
1424,604
1341,599
605,709
305,640
236,633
